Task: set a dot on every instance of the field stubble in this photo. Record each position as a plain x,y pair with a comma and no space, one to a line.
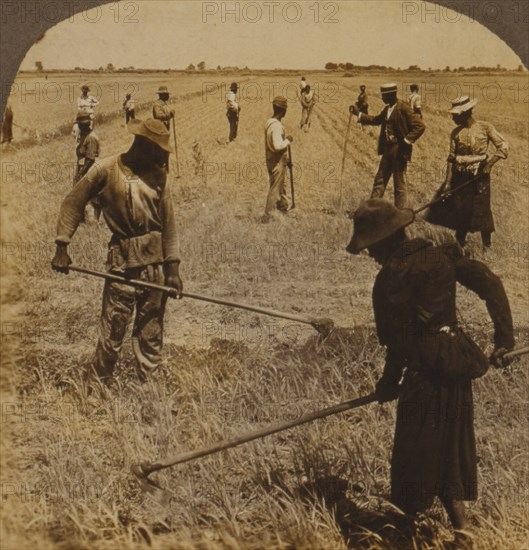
66,459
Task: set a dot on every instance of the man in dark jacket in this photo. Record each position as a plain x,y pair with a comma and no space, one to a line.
400,129
414,300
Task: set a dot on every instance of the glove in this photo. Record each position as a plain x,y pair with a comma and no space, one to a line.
61,260
172,277
386,391
290,138
498,360
353,109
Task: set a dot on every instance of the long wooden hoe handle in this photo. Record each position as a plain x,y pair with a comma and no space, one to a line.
172,293
148,468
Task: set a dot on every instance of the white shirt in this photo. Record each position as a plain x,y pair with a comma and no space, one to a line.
274,137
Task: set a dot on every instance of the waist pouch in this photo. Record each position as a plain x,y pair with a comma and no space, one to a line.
135,252
452,354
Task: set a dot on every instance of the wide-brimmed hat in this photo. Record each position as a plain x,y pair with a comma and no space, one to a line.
152,129
163,90
280,101
390,88
374,220
462,104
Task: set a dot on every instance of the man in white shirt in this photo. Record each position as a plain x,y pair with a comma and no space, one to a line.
232,110
414,100
86,104
276,148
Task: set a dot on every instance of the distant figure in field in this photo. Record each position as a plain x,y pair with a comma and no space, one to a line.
7,123
161,109
362,101
88,147
308,100
129,108
400,128
414,100
469,164
276,146
86,104
233,110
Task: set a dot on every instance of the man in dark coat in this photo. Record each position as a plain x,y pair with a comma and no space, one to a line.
469,166
414,300
400,128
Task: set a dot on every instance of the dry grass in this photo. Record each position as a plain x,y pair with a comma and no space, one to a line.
66,458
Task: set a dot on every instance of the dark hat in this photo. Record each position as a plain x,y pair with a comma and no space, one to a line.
462,104
128,96
162,90
280,101
388,88
234,86
374,220
85,87
362,86
152,129
414,86
83,118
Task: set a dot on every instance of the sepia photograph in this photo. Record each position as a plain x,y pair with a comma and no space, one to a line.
265,275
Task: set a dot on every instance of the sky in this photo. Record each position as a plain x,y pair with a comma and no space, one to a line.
303,34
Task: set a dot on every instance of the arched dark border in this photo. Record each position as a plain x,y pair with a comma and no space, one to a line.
17,36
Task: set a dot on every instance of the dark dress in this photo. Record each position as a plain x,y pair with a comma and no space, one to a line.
469,209
414,299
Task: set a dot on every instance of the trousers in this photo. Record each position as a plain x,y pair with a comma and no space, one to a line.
277,195
120,304
393,164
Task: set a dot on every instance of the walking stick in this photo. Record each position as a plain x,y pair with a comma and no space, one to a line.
176,149
290,168
343,157
323,326
144,469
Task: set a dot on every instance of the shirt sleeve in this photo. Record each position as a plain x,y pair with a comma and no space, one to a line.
161,113
169,231
278,143
502,147
477,277
415,123
73,205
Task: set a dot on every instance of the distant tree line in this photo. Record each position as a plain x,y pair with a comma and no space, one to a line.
330,66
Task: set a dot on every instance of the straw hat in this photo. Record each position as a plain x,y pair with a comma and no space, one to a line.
163,90
462,104
388,88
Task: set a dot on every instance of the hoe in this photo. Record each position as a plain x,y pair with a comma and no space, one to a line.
142,470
